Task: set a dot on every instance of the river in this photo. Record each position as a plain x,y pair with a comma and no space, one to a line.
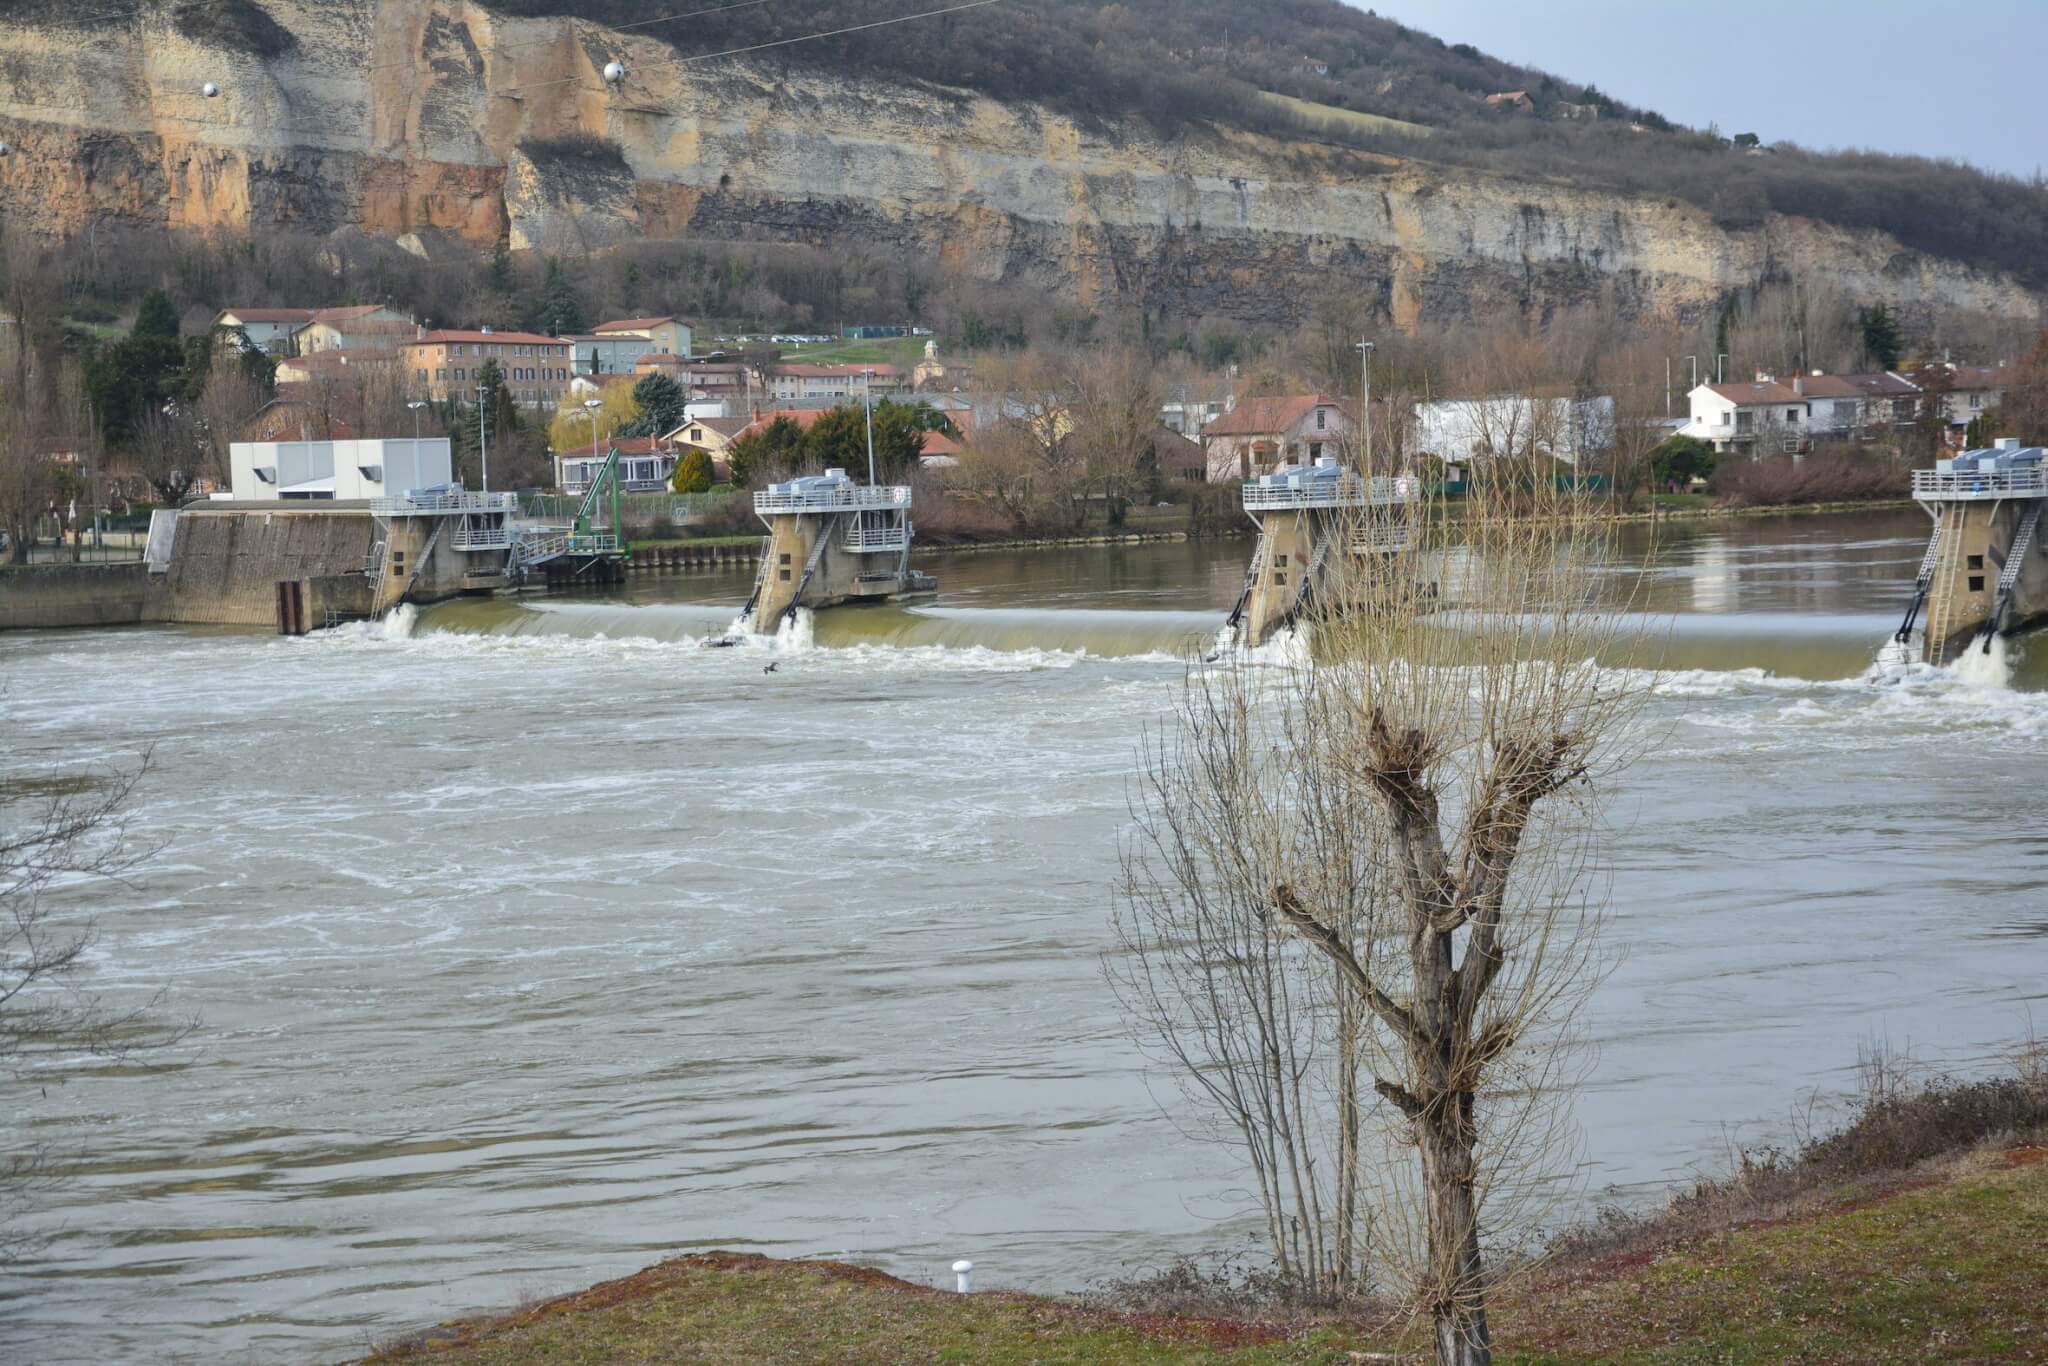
538,943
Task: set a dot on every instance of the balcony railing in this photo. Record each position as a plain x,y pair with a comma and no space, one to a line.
872,540
497,537
844,498
1346,491
439,504
1958,486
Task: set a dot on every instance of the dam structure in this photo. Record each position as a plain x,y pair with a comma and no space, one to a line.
831,541
1310,518
1985,573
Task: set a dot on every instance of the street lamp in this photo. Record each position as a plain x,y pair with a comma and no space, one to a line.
1365,350
591,405
416,405
867,385
483,441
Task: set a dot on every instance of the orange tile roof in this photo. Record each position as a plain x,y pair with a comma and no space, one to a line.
633,324
514,338
1265,416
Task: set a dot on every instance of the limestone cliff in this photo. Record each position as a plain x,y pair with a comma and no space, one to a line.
398,116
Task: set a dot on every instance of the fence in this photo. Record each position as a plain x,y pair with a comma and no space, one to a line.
639,508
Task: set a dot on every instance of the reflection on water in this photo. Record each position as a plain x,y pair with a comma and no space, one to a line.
543,941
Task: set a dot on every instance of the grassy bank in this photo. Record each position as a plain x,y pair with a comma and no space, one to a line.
1944,1265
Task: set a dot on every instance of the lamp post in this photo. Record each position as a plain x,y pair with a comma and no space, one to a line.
416,405
867,385
590,406
483,440
1365,350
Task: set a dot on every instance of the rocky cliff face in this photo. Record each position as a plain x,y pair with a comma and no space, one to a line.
399,116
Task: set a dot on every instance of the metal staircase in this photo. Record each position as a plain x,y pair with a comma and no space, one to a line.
2009,573
1251,580
1921,584
1946,552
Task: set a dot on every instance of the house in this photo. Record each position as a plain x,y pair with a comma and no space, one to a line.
1190,416
1562,426
940,452
1889,400
1966,392
1510,101
933,373
1260,435
711,435
290,417
1834,406
787,382
614,353
330,367
1578,113
268,329
1760,417
446,362
646,465
366,328
320,471
1315,66
668,334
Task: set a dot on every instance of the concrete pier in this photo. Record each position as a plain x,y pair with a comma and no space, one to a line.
1986,568
1313,520
831,541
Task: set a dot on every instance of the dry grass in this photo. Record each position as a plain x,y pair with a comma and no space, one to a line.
1946,1268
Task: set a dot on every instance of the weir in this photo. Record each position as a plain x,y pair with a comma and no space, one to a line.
1985,572
1311,518
831,541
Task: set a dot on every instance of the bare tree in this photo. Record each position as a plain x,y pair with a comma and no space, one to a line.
171,449
1114,406
1462,760
56,834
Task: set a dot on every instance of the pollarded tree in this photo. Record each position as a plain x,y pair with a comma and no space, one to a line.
1420,808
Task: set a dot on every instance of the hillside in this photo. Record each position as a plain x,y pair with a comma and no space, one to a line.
1115,157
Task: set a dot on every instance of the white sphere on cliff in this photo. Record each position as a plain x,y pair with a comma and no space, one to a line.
4,149
210,90
614,72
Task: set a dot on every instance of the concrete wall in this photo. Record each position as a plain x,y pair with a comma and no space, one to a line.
1961,598
1287,543
34,597
225,566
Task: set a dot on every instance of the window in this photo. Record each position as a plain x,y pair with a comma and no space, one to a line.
1279,580
1976,561
1322,419
461,374
1976,583
1976,400
1791,414
441,374
423,376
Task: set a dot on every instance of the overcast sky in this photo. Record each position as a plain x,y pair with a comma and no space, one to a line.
1951,79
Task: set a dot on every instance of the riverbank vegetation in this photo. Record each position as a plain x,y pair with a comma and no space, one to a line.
1903,1235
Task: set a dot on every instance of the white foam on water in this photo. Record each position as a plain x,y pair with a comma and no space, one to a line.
398,623
1984,666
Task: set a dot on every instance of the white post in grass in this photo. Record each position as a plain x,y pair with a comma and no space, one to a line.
961,1271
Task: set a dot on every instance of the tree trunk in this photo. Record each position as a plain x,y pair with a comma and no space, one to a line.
1458,1288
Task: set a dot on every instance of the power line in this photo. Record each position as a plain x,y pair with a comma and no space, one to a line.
779,42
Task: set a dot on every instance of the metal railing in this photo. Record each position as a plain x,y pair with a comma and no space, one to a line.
1379,540
483,538
428,505
1348,490
1964,486
873,539
845,498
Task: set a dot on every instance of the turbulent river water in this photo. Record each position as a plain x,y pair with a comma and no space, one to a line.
536,942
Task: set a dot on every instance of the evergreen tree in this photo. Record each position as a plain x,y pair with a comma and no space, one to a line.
662,403
839,439
157,318
1881,343
758,454
559,310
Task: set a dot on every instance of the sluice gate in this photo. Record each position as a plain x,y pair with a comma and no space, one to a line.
1312,520
831,541
1985,572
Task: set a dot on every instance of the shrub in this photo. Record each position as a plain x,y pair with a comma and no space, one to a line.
693,474
1823,477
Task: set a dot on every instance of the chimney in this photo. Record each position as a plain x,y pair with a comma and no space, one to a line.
486,329
1799,385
